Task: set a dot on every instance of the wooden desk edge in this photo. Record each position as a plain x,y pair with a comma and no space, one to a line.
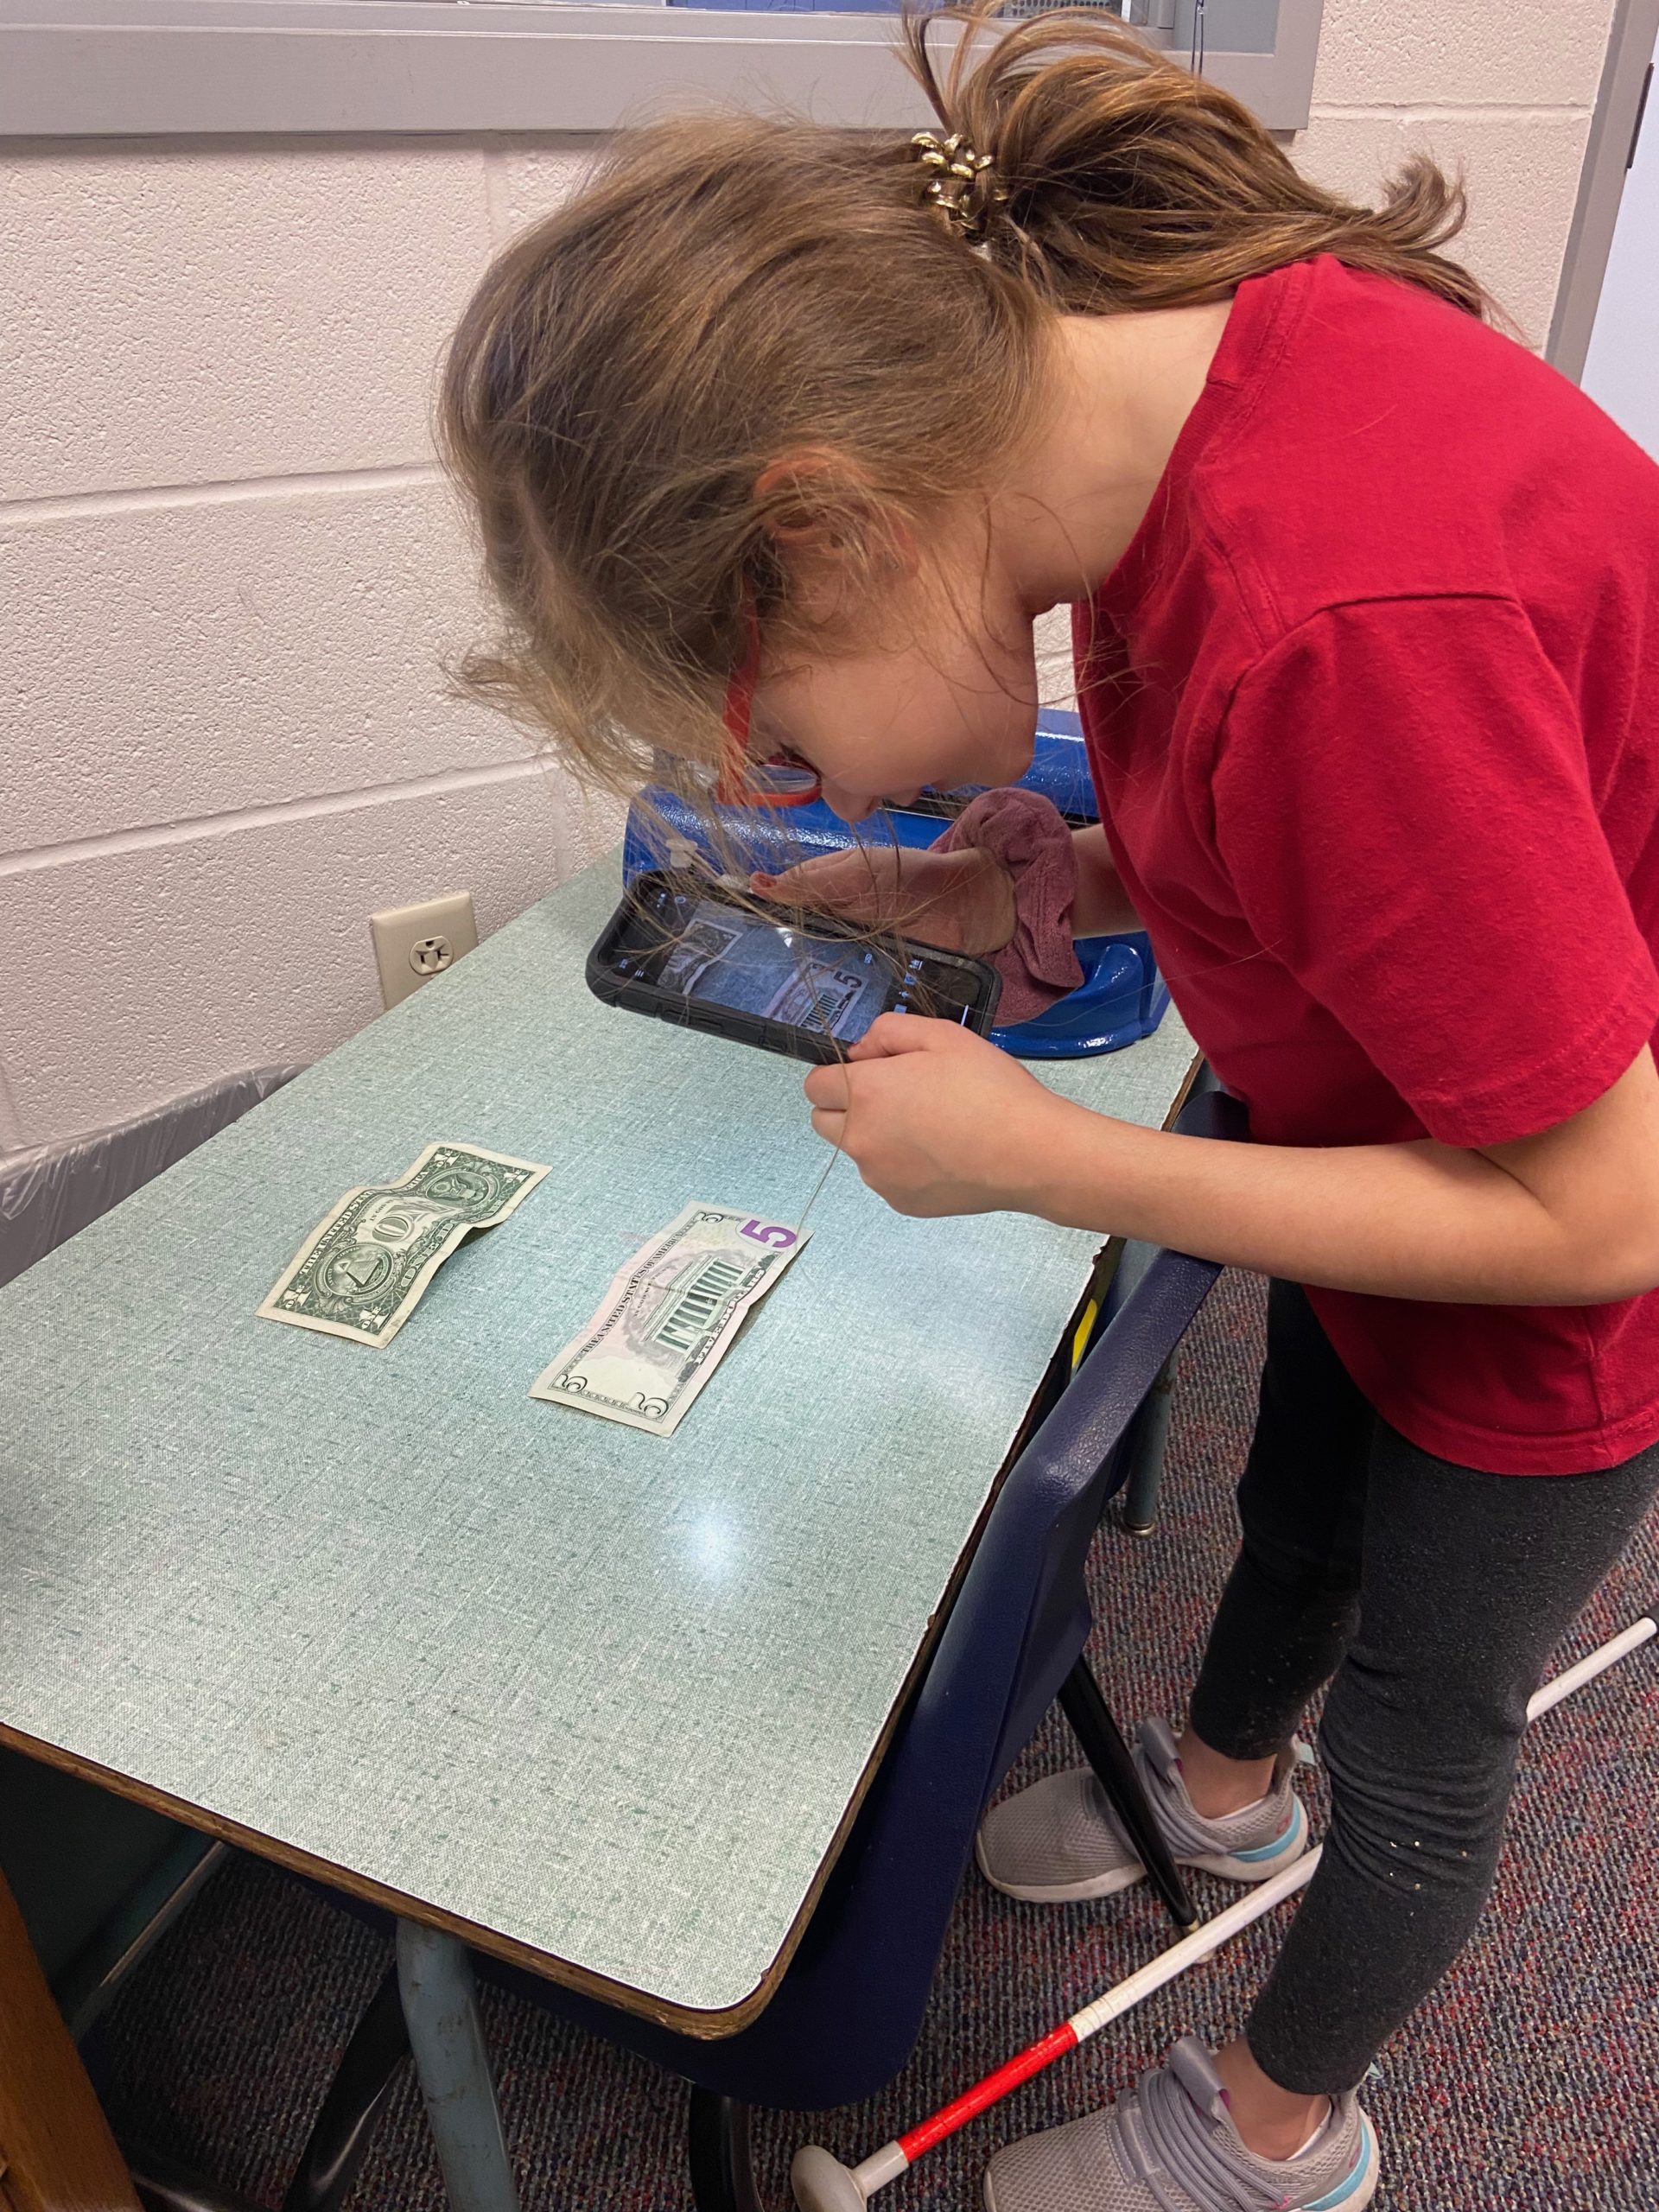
705,2027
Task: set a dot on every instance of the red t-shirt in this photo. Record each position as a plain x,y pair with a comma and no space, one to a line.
1372,709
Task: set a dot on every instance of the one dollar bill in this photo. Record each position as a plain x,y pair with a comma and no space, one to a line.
668,1317
362,1271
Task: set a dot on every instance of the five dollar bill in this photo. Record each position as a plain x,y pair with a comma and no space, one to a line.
669,1316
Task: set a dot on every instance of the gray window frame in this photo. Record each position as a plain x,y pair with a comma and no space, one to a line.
1607,159
177,69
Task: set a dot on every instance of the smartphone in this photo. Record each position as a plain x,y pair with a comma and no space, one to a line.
685,947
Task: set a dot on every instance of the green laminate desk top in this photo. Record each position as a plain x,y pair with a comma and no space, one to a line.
602,1700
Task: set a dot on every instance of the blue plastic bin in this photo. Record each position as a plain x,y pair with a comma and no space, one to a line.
1121,997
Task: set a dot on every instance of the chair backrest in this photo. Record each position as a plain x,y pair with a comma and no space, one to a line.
849,2009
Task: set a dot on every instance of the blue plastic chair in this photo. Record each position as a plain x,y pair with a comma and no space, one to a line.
849,2007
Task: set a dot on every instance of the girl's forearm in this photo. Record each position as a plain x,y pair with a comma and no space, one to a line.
1420,1220
1102,907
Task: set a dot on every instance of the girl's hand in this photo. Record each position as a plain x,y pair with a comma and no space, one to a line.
962,901
936,1120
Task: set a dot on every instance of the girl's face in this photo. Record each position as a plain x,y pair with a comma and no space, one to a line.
943,691
937,681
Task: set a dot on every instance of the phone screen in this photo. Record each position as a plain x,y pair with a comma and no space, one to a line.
832,987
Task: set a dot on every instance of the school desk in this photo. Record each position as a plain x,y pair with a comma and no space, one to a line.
594,1701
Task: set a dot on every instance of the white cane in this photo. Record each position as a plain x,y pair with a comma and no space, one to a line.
822,2183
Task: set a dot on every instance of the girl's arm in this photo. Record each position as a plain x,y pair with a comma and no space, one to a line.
939,1121
1568,1218
1102,907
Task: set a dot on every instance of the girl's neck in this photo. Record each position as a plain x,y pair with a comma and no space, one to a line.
1121,387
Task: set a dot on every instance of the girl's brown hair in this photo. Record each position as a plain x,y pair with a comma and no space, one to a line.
731,291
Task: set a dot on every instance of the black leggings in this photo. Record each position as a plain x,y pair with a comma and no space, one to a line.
1434,1595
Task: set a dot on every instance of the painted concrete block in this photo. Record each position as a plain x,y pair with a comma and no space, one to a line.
1056,672
184,314
11,1126
162,663
1523,175
528,178
135,975
1447,53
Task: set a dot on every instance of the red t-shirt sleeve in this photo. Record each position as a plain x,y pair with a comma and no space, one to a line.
1403,804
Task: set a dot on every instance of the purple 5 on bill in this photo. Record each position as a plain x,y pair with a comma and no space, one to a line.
669,1317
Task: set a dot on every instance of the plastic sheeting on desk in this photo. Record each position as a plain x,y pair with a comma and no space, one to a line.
46,1195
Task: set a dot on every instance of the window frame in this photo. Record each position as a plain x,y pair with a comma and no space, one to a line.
1624,92
182,68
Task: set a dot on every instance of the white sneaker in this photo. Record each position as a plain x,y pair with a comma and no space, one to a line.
1171,2146
1059,1841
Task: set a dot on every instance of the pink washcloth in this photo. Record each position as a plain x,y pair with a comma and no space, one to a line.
1029,834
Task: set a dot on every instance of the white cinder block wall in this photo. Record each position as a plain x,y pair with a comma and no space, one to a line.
230,575
1504,88
229,570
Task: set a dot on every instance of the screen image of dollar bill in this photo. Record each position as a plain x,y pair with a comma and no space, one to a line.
668,1317
362,1271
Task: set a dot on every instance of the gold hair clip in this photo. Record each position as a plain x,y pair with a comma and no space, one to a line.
961,184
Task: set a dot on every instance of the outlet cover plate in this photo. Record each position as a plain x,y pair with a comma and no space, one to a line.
412,943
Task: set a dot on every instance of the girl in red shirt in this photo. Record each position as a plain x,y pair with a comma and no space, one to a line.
1367,620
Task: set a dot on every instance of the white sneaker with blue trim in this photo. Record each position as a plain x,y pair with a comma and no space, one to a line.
1170,2146
1059,1841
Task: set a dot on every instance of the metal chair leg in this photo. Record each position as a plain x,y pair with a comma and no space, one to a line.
1106,1751
439,2000
352,2111
1147,1440
722,2177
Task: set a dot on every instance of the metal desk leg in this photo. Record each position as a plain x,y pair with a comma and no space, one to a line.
1148,1440
435,1976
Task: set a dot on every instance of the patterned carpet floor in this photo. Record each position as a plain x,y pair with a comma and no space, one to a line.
1529,2080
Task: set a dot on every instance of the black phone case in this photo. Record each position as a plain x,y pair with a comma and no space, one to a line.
783,1036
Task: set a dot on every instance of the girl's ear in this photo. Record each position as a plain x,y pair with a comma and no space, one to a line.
802,499
820,511
808,498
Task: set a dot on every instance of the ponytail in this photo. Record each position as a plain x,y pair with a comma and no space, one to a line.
1125,181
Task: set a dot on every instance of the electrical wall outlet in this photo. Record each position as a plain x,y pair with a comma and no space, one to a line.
413,944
